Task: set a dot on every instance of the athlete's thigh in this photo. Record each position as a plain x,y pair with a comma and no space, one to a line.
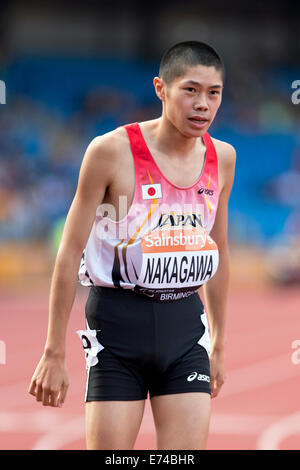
182,420
113,424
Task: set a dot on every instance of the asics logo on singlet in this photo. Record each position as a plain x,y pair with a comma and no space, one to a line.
208,192
197,376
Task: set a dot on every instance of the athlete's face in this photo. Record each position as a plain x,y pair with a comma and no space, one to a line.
192,100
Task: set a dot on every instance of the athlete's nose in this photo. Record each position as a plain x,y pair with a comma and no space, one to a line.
200,104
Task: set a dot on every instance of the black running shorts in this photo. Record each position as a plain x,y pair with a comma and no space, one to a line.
135,345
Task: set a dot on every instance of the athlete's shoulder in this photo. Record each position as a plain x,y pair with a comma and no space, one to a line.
104,151
110,141
226,163
102,156
226,152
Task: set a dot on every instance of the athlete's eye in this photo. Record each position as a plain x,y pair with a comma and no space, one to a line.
215,92
191,89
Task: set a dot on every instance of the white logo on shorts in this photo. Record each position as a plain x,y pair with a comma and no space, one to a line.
91,346
195,375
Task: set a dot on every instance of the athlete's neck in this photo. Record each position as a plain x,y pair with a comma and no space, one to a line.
168,140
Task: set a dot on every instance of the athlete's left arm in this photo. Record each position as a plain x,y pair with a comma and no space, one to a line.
216,289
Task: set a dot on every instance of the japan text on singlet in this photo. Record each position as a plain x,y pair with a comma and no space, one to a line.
162,247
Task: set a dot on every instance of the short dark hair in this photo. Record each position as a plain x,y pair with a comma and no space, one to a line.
186,54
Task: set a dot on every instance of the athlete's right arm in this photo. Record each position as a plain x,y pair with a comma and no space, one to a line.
49,382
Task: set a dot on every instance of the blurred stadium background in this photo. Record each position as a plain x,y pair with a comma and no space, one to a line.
75,70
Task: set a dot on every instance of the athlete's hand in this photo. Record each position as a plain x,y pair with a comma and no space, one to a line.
49,383
217,371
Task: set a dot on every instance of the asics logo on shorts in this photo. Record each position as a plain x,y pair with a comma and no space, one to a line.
197,376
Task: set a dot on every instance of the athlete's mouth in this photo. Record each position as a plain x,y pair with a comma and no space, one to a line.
198,121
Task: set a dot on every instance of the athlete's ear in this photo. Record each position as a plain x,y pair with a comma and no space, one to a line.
159,86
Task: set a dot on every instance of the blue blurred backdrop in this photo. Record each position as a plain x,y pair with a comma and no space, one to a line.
72,74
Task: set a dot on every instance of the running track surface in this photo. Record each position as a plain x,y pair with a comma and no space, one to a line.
258,407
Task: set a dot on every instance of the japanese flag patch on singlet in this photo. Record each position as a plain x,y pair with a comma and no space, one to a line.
151,191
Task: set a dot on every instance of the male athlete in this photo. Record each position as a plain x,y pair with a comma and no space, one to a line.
146,229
